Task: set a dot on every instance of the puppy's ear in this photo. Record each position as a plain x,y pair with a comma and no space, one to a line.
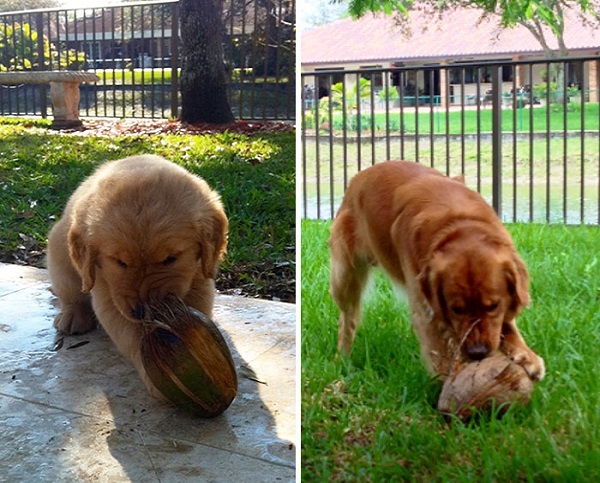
518,282
212,240
83,256
460,178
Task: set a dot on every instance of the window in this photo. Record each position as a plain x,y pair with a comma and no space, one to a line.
376,78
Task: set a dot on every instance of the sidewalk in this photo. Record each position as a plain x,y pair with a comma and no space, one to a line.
79,413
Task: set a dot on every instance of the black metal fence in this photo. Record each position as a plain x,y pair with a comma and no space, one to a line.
526,135
134,49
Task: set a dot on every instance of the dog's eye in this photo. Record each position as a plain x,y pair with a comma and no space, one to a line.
169,260
458,310
491,307
121,263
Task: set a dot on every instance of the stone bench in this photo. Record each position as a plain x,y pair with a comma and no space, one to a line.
64,91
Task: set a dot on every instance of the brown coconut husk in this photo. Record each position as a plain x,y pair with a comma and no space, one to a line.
187,358
477,387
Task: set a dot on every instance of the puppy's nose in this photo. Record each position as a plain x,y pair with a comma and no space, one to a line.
138,312
477,351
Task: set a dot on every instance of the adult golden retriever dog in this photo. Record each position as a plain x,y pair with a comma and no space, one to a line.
136,230
446,247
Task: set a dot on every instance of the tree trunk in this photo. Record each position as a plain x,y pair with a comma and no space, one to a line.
537,29
203,82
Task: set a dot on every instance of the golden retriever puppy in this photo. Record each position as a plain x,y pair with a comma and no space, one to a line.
136,230
446,247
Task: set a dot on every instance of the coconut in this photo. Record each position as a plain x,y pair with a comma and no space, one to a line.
493,382
187,359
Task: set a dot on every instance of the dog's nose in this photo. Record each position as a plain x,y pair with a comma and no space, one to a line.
138,312
477,351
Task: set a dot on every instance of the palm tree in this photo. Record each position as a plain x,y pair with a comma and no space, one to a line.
341,96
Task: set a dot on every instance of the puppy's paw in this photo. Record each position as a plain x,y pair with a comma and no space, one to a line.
531,362
77,319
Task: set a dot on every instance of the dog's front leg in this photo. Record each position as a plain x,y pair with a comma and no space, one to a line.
76,315
515,346
437,345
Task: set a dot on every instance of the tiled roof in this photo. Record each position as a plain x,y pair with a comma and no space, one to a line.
458,34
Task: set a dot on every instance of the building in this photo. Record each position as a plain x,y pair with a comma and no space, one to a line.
451,40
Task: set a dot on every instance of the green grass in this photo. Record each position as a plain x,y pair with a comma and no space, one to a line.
561,160
371,417
150,76
134,77
255,176
464,122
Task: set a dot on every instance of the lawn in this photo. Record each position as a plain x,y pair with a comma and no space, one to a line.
371,417
255,176
546,174
147,76
471,121
134,77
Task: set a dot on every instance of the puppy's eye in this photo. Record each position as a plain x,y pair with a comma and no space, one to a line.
170,260
458,310
121,263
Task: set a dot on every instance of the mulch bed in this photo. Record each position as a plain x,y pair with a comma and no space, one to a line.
111,128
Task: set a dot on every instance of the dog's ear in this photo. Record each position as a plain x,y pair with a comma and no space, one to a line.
212,241
84,256
431,287
518,282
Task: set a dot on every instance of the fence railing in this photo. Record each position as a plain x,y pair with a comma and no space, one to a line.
134,48
526,135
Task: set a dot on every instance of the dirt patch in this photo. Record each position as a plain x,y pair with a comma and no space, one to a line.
111,128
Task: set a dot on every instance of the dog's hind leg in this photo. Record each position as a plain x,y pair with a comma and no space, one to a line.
349,275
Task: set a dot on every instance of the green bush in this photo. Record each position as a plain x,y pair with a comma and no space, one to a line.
18,50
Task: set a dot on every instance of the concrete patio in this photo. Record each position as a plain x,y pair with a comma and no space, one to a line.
75,410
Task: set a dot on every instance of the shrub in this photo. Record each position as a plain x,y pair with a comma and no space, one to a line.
18,50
